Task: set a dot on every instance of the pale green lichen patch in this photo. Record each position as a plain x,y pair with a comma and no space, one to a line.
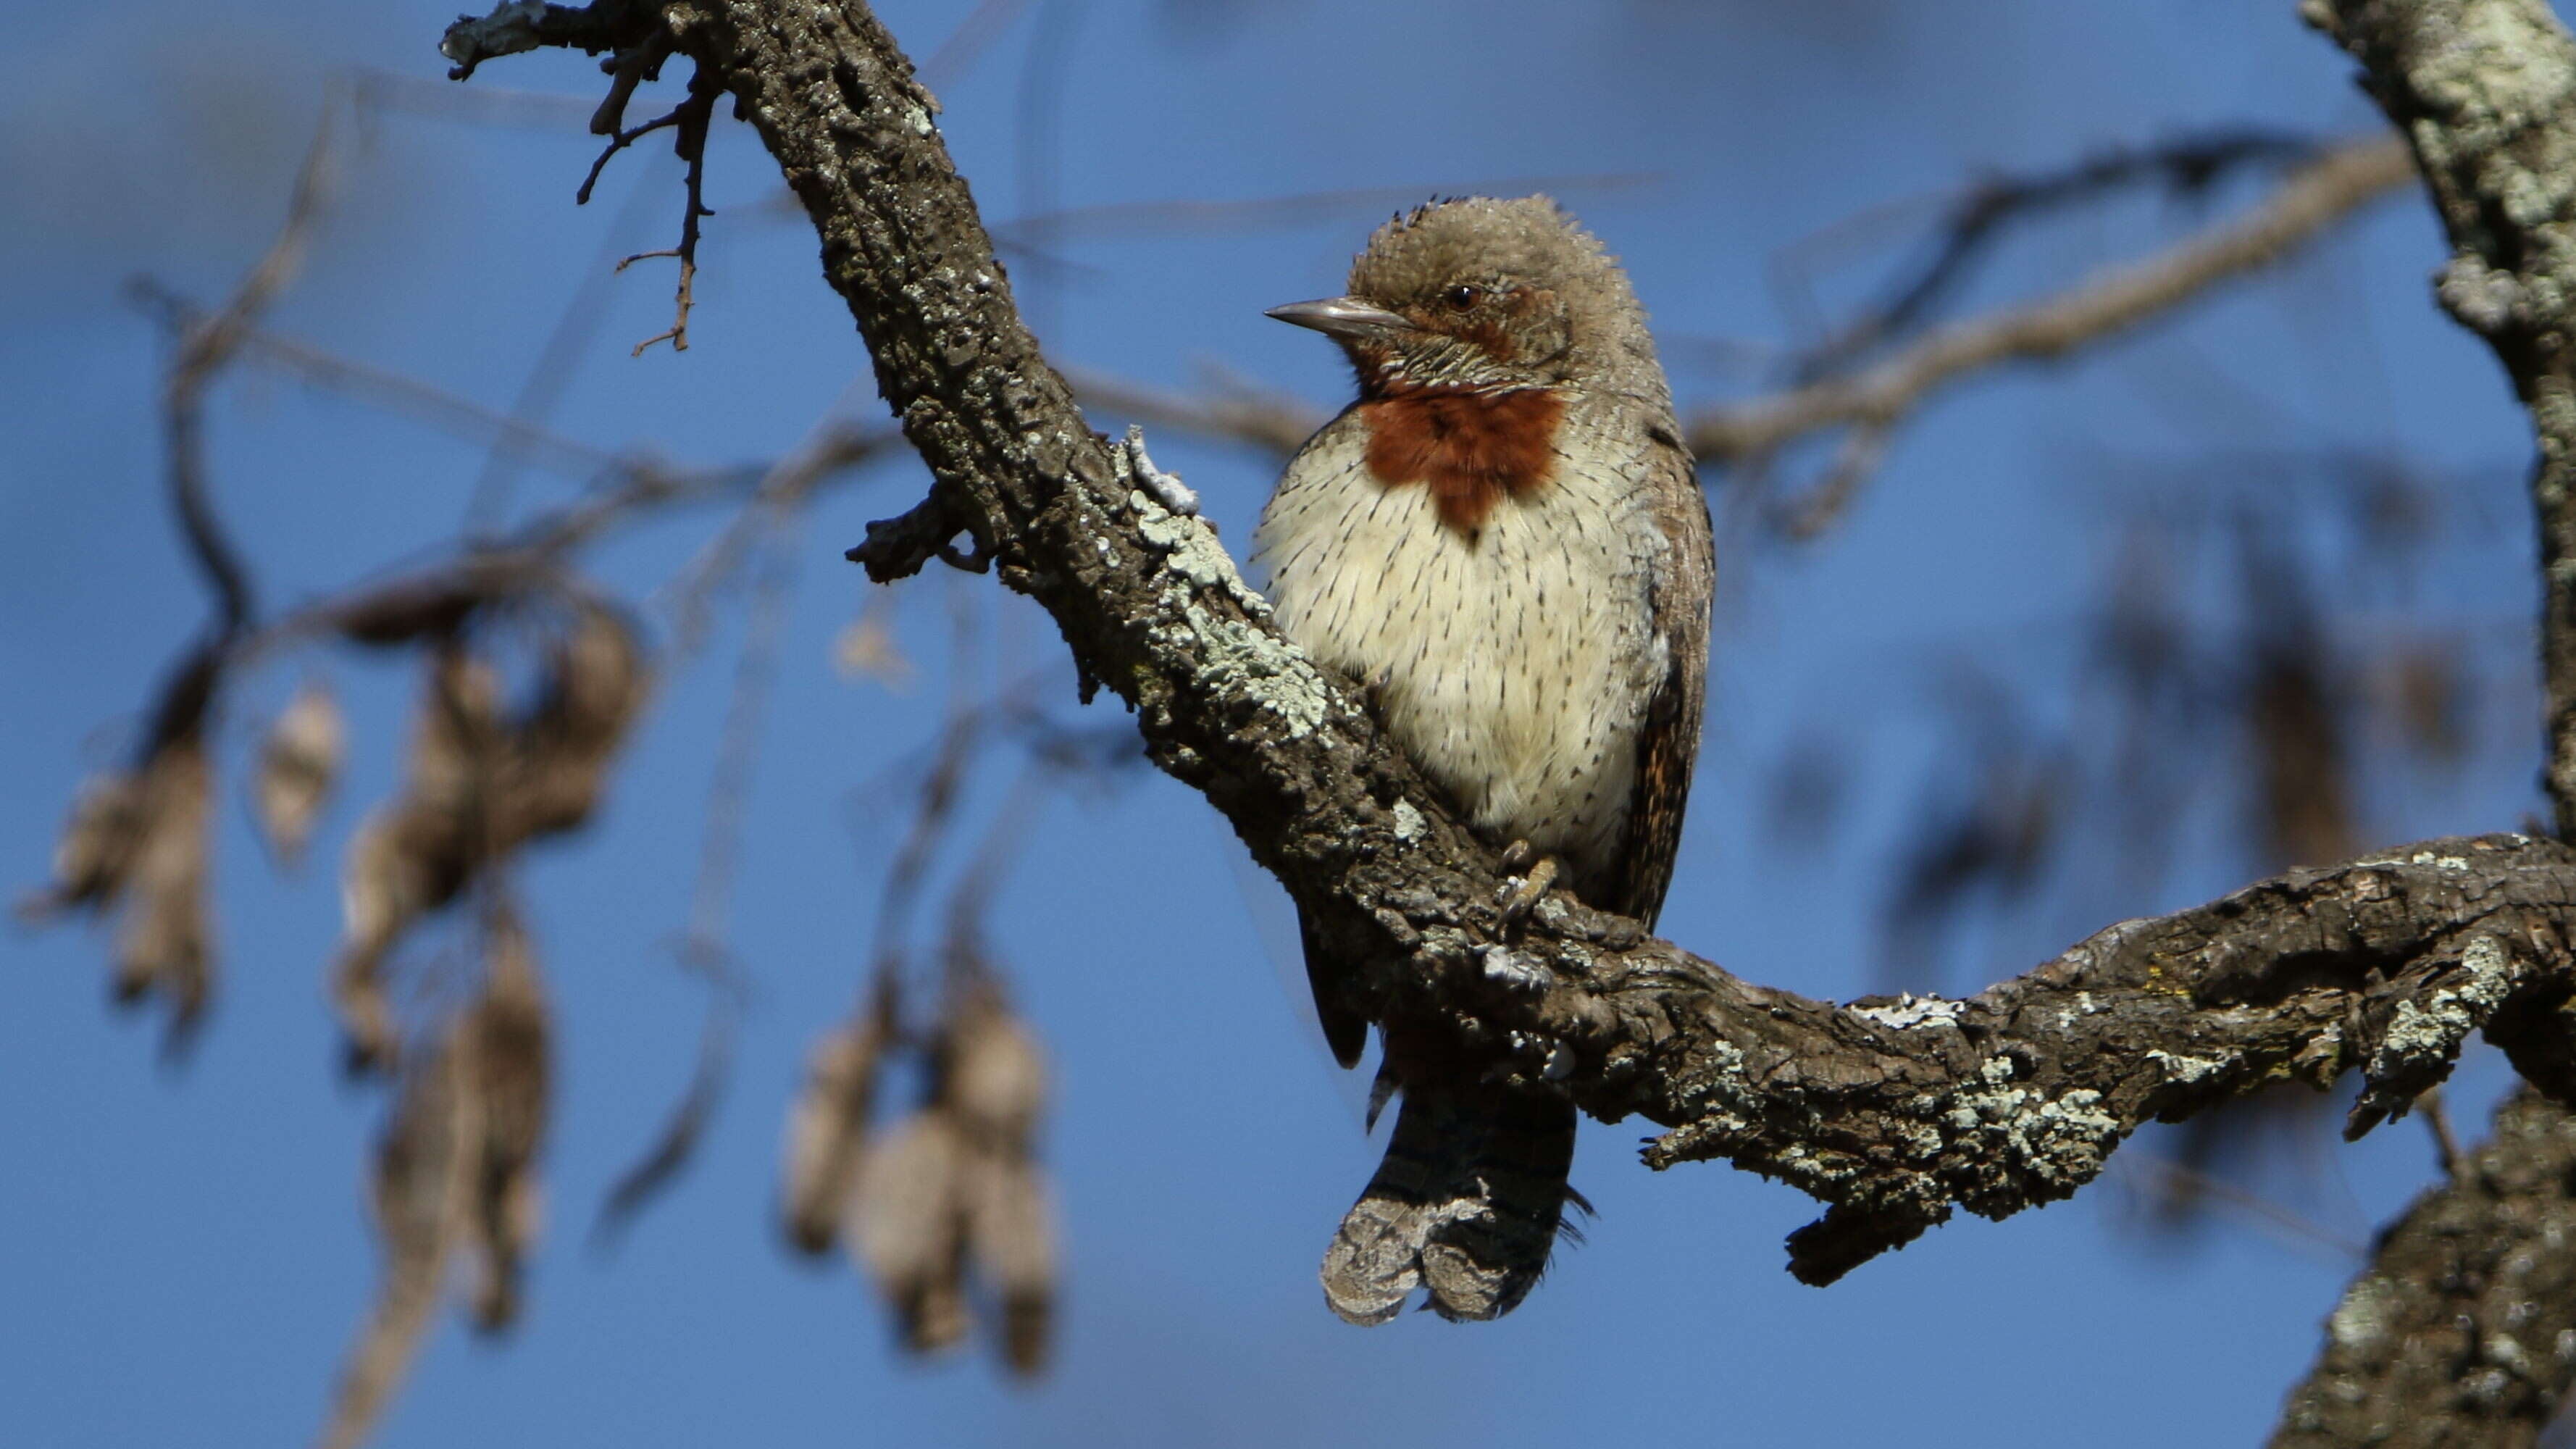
2185,1069
1909,1011
2434,1029
2059,1141
1190,548
1408,822
1274,673
1235,656
2361,1320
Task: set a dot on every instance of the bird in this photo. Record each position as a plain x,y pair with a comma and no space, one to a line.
1503,542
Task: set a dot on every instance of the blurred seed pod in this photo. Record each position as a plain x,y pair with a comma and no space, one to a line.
908,1228
995,1074
1010,1234
508,1034
96,849
827,1130
161,943
297,767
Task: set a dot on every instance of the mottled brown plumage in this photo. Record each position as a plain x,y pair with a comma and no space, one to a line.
1503,538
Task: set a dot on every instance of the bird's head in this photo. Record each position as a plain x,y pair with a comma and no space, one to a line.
1479,294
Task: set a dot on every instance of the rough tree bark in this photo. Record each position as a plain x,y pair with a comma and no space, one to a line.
2463,1329
2462,1332
1891,1112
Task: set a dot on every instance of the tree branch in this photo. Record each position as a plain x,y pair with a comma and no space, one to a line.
206,344
1870,403
2461,1331
1890,1112
2486,91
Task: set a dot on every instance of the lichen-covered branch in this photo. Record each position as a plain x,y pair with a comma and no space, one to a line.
2463,1329
2462,1332
1891,1112
2486,92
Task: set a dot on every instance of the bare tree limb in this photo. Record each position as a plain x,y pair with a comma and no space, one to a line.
1891,1112
2460,1333
1871,402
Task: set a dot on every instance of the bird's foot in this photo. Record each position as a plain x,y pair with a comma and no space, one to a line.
1530,883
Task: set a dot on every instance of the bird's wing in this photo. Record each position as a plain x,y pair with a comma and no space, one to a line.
1669,744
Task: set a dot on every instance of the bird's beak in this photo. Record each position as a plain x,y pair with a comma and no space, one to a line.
1345,317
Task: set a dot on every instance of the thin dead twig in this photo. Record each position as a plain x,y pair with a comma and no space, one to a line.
1158,218
702,950
2171,1178
691,118
388,389
1978,216
1271,422
204,349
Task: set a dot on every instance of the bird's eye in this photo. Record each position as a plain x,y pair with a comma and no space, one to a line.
1462,298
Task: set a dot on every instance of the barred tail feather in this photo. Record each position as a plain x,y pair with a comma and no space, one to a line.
1467,1203
1345,1030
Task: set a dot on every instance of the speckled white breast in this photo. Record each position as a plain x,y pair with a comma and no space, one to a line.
1515,669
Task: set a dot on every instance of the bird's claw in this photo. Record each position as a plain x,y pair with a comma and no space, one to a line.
1523,893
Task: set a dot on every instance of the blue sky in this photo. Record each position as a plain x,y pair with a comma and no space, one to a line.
182,1251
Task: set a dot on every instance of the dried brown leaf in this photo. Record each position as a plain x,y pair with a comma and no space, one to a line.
381,890
827,1131
413,854
298,765
456,741
423,1197
908,1228
480,785
508,1035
